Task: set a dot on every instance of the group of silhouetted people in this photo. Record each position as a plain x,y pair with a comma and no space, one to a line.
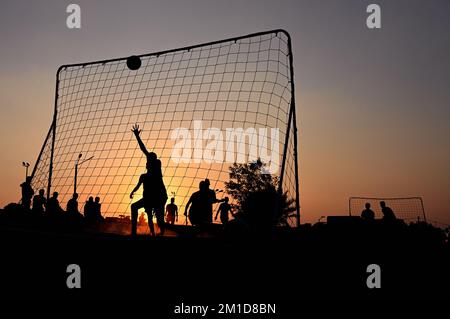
40,206
368,214
199,208
92,209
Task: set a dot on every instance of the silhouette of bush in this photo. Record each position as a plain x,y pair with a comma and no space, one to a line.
258,200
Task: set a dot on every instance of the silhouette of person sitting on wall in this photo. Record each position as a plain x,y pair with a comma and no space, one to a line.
73,213
367,214
27,192
155,194
388,213
172,212
53,207
224,209
39,203
97,209
89,209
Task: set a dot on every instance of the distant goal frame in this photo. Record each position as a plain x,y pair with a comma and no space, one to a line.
387,200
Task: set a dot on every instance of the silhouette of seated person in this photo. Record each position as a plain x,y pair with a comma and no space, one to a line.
53,207
171,212
27,193
154,197
97,210
224,210
367,214
155,194
89,209
72,209
388,213
39,203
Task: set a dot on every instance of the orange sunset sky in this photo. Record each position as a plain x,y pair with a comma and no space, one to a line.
373,106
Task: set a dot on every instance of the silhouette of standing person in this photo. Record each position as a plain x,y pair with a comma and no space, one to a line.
39,203
197,205
211,199
172,212
155,194
72,208
367,214
388,213
27,193
224,209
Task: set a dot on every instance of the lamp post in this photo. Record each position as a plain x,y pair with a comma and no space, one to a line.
26,165
78,163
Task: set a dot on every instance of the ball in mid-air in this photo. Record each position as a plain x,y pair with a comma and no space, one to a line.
134,62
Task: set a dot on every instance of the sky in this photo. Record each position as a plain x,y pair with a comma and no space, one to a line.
373,106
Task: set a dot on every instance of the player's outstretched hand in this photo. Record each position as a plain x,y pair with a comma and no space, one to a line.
136,130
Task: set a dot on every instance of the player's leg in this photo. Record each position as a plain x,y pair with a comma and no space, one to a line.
159,213
149,211
134,215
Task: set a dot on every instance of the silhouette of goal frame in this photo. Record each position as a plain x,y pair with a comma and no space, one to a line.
49,156
406,208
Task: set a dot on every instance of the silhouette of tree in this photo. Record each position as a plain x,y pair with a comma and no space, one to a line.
257,196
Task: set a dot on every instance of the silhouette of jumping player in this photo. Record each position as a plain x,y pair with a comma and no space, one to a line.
224,209
171,212
388,213
53,207
151,200
154,195
27,192
39,203
367,214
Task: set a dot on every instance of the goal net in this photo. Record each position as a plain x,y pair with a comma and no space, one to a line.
409,209
201,108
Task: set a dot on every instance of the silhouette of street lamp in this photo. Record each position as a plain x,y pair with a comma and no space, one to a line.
78,163
26,165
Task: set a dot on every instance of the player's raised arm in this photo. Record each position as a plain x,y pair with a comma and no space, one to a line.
137,133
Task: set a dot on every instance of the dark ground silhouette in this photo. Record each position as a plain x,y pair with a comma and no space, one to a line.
325,260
